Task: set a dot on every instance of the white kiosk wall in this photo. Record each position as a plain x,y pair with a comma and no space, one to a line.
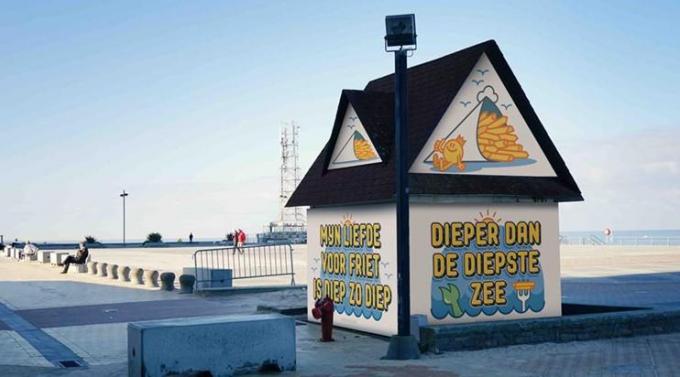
352,258
469,263
481,262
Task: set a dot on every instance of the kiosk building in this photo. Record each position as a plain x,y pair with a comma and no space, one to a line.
485,181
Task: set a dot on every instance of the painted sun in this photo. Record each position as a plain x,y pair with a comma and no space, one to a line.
347,220
488,217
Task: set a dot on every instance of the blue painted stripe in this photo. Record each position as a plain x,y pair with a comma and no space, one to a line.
50,348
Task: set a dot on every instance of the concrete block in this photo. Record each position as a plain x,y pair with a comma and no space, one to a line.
92,267
103,269
8,251
78,268
44,256
186,283
138,276
417,321
210,278
151,278
167,281
124,273
224,345
60,257
112,271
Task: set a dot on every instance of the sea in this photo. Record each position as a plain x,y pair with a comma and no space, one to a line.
654,237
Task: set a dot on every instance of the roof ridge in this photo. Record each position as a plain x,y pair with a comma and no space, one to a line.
486,44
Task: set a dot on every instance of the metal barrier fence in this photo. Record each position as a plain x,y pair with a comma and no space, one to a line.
245,262
620,241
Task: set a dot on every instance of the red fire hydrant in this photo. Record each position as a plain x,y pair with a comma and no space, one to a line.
323,309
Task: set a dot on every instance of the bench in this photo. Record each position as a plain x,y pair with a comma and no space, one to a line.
223,345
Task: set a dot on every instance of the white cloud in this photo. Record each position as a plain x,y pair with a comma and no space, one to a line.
488,91
629,181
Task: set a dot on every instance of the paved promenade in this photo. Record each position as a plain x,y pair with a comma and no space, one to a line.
45,316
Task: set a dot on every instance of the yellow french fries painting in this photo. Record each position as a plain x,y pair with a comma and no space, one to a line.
362,148
497,139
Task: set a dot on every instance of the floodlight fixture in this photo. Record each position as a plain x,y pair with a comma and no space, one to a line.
400,32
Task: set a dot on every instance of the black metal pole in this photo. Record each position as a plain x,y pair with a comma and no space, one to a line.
401,155
403,346
123,195
124,217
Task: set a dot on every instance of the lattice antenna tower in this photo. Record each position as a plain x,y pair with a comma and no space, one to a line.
290,174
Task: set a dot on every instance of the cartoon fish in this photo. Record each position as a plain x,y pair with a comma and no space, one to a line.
449,152
362,149
450,295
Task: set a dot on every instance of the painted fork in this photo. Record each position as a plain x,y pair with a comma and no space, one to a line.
523,295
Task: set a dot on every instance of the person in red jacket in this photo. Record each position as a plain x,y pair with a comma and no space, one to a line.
237,241
241,239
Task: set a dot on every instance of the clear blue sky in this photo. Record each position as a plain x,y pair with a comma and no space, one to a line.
180,103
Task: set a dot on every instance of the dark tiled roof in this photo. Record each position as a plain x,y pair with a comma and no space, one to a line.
431,88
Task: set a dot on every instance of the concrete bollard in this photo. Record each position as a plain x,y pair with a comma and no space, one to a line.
92,267
103,267
151,278
167,281
186,283
138,276
124,273
112,271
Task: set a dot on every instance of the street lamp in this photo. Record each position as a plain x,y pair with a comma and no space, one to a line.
124,195
401,38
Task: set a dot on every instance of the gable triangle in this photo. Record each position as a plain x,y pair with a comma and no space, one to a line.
482,132
353,147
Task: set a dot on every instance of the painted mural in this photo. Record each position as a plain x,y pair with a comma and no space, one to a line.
353,146
352,261
486,266
482,132
479,262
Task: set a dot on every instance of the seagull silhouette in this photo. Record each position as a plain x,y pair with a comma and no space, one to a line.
478,82
385,264
313,268
465,103
482,71
506,106
388,275
316,260
351,126
353,118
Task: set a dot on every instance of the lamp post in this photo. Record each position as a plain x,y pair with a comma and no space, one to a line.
124,195
400,39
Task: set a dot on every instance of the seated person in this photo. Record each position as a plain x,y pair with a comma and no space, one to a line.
30,250
79,258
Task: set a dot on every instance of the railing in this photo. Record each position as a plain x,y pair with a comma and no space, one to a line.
620,241
245,262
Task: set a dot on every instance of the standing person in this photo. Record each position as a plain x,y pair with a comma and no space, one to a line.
236,243
191,237
79,258
241,239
